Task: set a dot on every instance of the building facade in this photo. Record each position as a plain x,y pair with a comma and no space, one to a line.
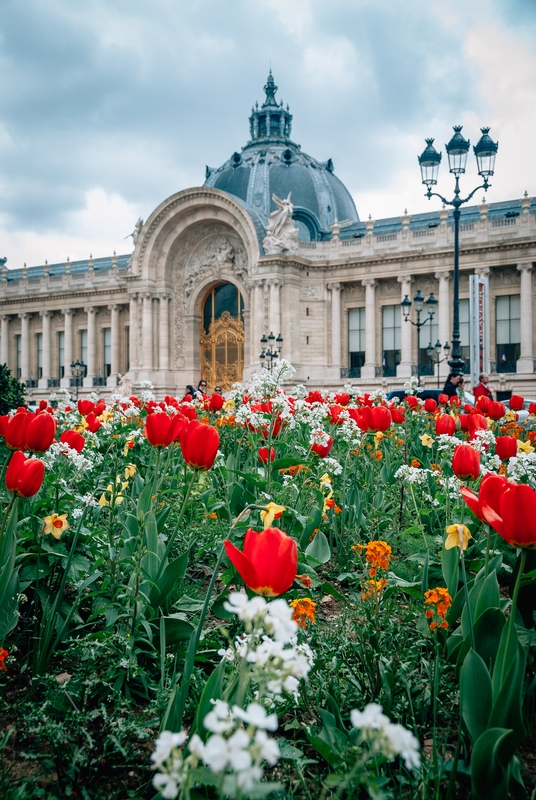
272,242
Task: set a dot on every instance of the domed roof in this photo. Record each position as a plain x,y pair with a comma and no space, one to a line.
271,163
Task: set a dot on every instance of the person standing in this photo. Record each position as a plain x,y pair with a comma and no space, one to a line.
451,385
482,389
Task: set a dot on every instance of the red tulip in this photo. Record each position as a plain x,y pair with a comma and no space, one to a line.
397,414
468,408
505,447
269,562
476,422
464,422
322,450
86,407
482,404
161,429
100,408
216,402
73,439
516,519
15,433
40,433
263,454
342,399
412,401
4,419
430,405
445,424
532,408
93,424
314,397
496,409
43,405
24,476
490,493
516,402
199,445
381,418
188,412
466,462
443,399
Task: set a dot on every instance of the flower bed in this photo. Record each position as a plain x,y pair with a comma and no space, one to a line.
278,594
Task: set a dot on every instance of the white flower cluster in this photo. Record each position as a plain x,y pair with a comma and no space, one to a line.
84,461
319,436
232,748
522,468
413,475
332,465
411,386
270,646
391,739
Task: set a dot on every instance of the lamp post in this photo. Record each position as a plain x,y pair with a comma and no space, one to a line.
435,349
420,302
271,350
458,147
78,370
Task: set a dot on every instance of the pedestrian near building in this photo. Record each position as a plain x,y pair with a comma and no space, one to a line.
482,389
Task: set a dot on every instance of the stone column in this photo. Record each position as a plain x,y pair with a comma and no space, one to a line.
403,370
525,362
147,332
4,340
275,313
335,289
25,347
91,312
68,347
43,381
444,311
257,319
133,332
368,369
163,332
114,335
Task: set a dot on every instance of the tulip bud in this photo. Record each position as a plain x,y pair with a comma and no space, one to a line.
263,454
322,450
40,433
466,462
86,407
516,402
505,447
24,476
73,439
496,410
430,405
445,424
216,402
199,445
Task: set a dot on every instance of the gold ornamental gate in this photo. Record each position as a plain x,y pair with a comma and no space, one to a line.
222,337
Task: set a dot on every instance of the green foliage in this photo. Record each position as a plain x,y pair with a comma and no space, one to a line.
12,391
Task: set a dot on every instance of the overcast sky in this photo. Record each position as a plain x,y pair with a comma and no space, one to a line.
107,107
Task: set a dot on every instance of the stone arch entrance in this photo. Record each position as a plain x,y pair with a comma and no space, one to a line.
222,336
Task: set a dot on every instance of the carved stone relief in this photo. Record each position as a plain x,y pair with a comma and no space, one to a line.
389,289
506,275
312,292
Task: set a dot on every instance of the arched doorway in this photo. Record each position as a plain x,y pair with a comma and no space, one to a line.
222,336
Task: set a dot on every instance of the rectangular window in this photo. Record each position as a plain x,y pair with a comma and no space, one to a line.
39,350
507,332
428,334
18,355
356,340
61,354
390,339
107,351
464,334
83,349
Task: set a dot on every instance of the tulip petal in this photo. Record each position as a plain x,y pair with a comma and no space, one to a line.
242,564
518,510
472,501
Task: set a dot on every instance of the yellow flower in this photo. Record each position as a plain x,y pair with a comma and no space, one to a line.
426,440
130,470
327,504
510,416
106,416
270,513
378,436
458,536
228,405
106,498
325,480
524,447
55,524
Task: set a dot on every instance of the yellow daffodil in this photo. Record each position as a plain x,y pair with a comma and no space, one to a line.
510,416
327,503
106,416
269,514
325,480
426,440
228,405
458,536
130,470
106,498
55,524
378,436
524,447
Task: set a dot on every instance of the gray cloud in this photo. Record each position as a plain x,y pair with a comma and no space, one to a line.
137,97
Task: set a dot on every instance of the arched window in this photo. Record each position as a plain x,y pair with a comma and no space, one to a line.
222,336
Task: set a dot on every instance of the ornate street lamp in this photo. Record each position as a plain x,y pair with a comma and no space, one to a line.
271,352
435,350
420,303
457,149
78,370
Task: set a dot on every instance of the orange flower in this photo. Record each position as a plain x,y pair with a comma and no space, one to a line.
373,588
440,600
435,467
377,556
304,579
304,609
378,455
415,463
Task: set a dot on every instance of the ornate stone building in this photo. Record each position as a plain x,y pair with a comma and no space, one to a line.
272,242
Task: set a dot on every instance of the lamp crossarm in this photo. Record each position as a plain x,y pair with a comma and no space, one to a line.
456,203
424,321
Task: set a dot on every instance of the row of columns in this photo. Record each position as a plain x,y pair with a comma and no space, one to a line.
147,305
68,354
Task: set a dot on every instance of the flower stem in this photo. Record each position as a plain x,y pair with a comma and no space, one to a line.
468,605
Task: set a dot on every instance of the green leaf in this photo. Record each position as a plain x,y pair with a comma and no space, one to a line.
475,694
487,632
450,567
319,549
328,588
145,500
8,607
172,575
489,764
424,579
507,704
489,595
213,691
177,630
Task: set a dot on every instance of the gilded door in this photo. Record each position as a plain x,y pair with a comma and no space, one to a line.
222,338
